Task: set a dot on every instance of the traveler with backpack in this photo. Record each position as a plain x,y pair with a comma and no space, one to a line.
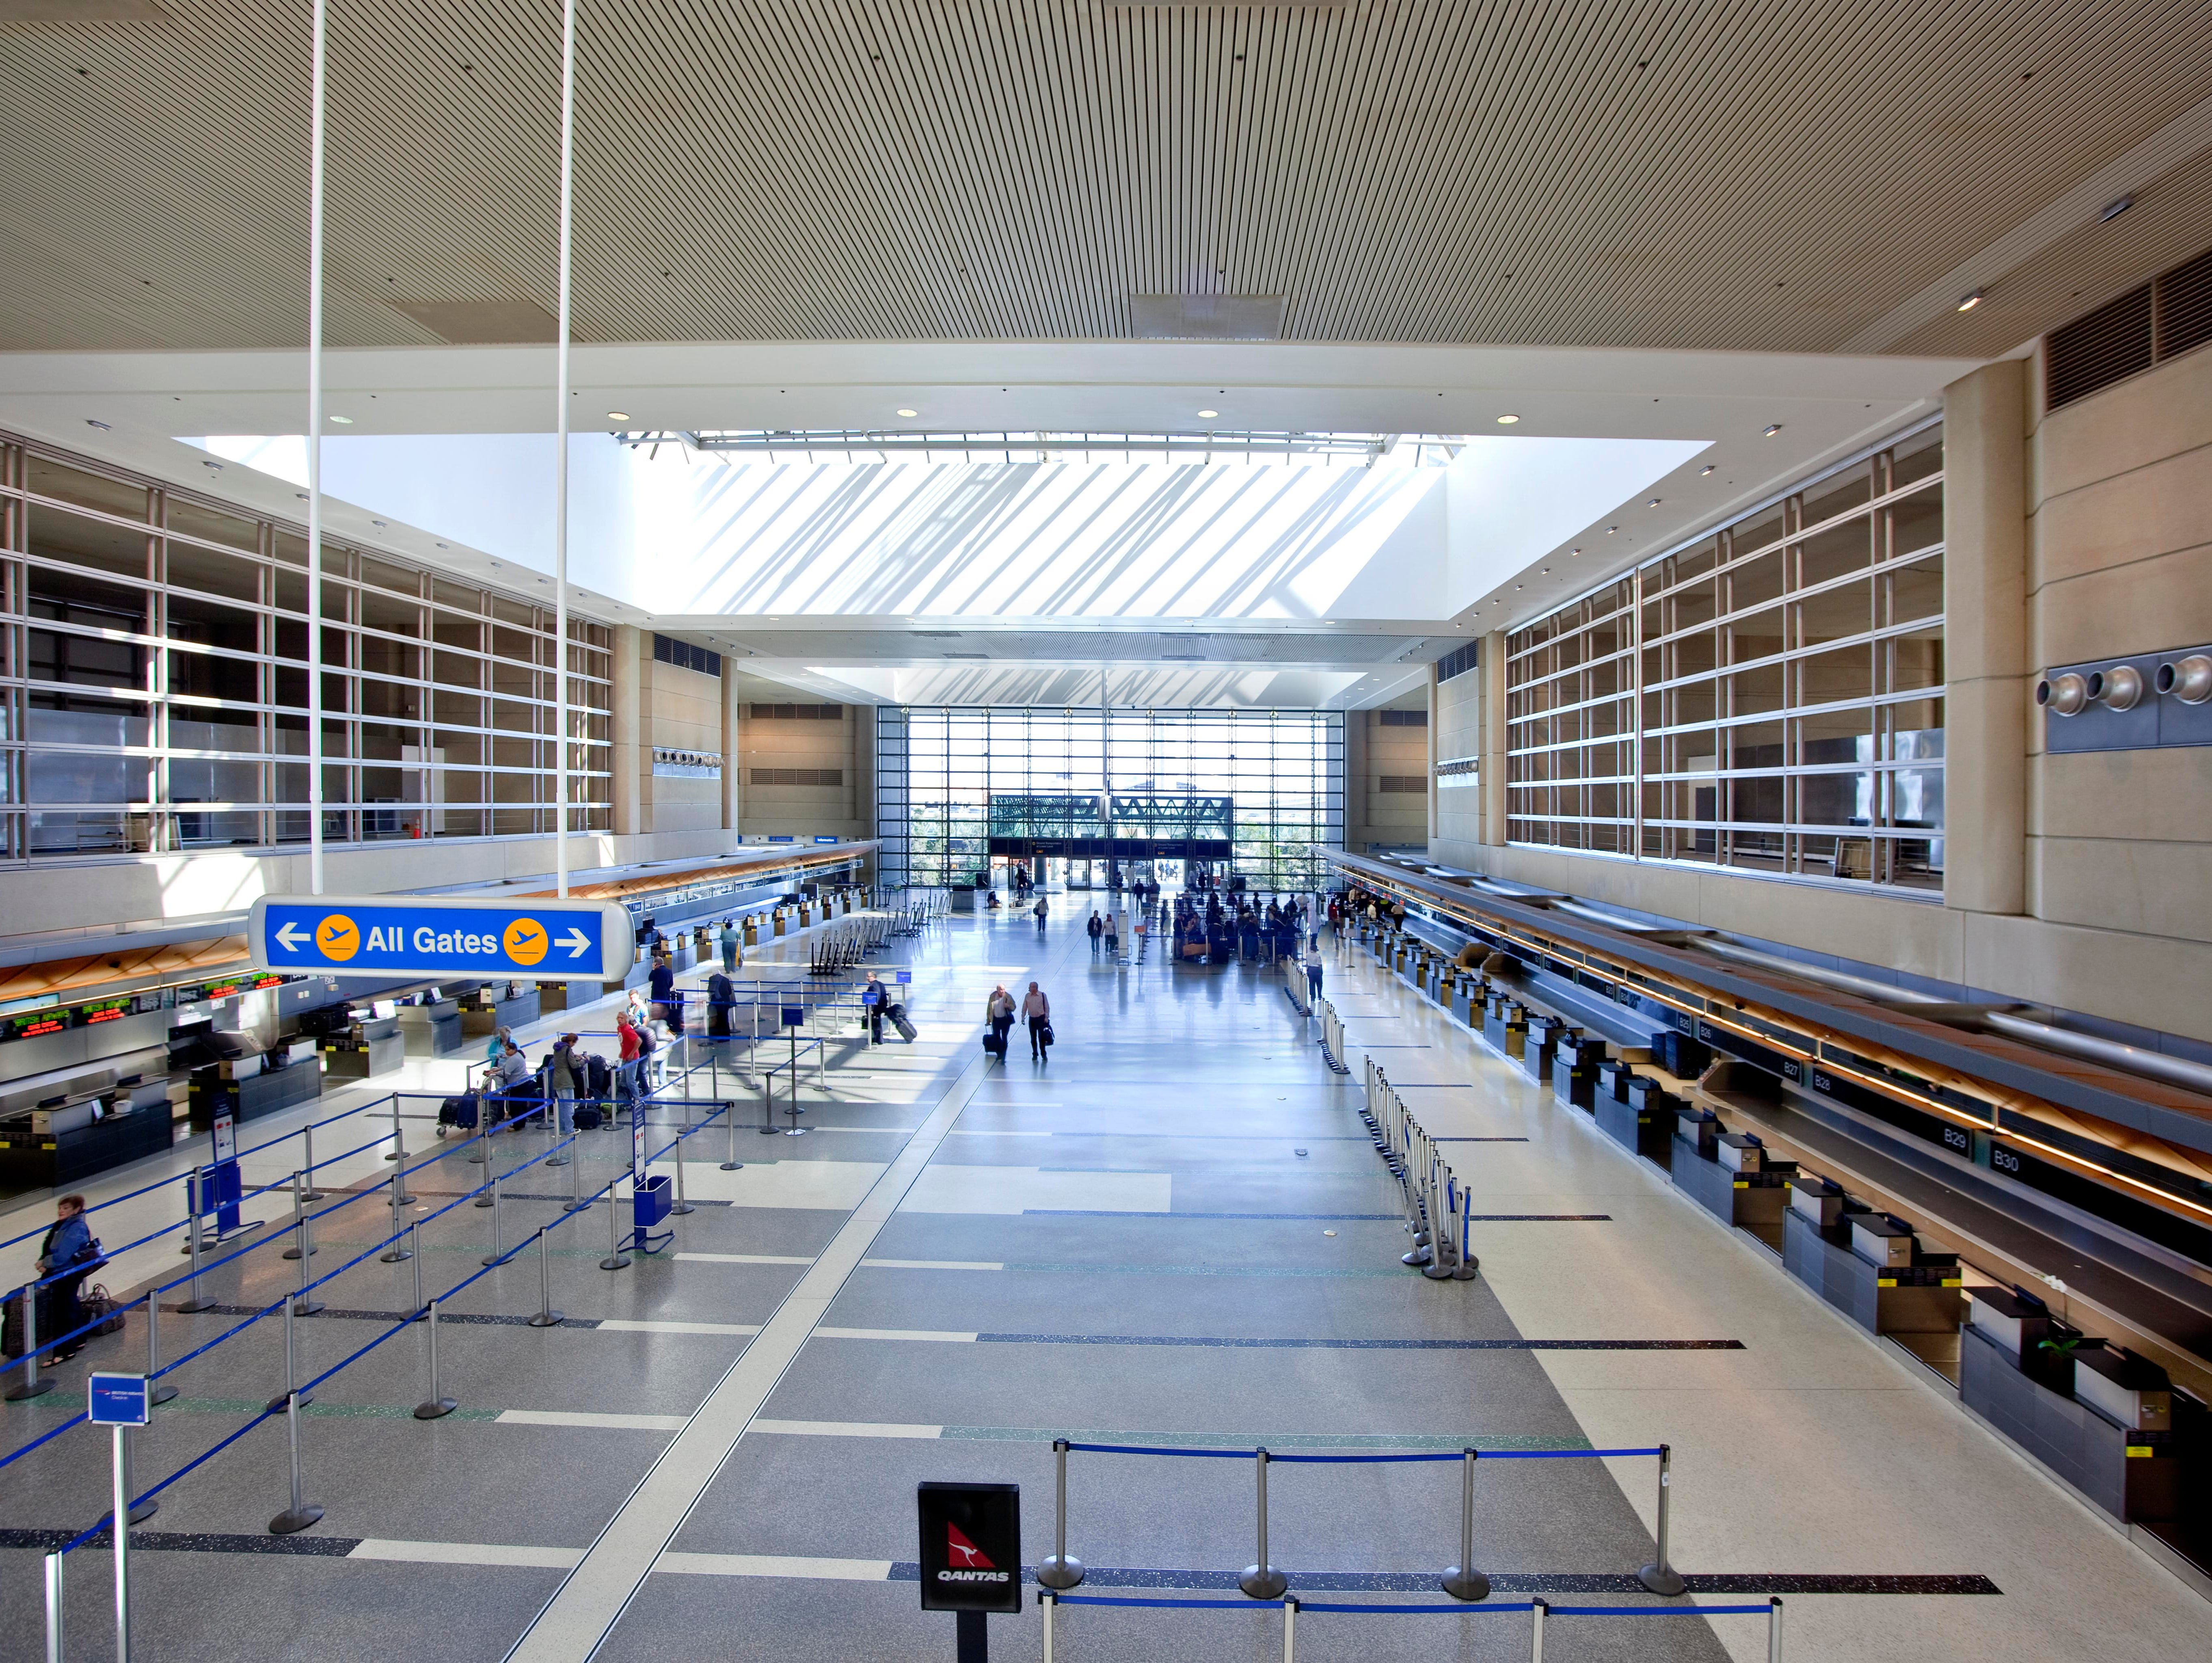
567,1078
871,1002
728,942
1040,915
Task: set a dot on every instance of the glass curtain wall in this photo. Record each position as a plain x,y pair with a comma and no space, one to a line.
1769,698
153,682
949,778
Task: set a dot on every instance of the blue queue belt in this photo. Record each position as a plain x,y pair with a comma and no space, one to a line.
1423,1455
1377,1608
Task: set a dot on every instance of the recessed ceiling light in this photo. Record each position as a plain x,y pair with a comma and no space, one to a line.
1653,503
1771,431
217,466
2114,209
303,495
906,412
1545,571
617,415
1703,471
1968,302
1209,415
1520,585
441,545
343,420
89,422
1610,529
377,524
1508,420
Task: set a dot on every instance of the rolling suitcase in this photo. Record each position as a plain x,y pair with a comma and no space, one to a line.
996,1044
897,1014
587,1117
459,1113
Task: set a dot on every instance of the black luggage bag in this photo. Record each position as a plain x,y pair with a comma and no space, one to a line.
459,1113
897,1014
588,1117
995,1043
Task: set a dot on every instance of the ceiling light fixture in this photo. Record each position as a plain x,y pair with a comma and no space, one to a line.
1507,420
1610,529
1771,431
1968,302
1705,471
2114,209
89,422
217,466
617,415
1574,551
905,413
377,524
343,420
1207,415
1653,503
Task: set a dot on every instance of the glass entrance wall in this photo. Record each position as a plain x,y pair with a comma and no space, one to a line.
1256,789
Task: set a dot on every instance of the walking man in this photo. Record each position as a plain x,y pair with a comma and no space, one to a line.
1097,930
567,1072
728,940
998,1012
872,999
1313,969
1040,910
1037,1009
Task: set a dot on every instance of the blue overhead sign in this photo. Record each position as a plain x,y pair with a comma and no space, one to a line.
118,1400
439,935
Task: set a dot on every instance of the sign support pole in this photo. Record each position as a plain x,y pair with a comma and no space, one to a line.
119,1524
561,453
315,454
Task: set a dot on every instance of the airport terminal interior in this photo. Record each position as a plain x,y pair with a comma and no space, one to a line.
1105,832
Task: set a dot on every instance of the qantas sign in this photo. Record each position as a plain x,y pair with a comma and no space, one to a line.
969,1563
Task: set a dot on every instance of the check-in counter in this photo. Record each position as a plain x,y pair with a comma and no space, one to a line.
1545,1034
1506,1027
1734,1181
1614,1075
776,918
1641,1122
1868,1264
374,1045
1574,1071
2098,1417
1467,1000
98,1121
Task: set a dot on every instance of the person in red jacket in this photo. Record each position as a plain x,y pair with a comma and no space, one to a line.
632,1049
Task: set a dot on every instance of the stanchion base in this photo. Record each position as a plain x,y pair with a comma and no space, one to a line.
395,1256
160,1393
29,1388
615,1261
557,1159
1419,1256
294,1252
277,1403
1058,1574
1470,1584
1263,1582
484,1200
144,1508
733,1166
681,1208
405,1199
433,1408
316,1195
575,1206
301,1307
546,1320
192,1307
769,1132
1466,1269
1439,1273
1663,1580
292,1519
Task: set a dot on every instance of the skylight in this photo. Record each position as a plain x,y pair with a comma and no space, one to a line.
1244,449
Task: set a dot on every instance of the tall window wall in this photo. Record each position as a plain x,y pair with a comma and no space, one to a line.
153,682
1769,698
939,769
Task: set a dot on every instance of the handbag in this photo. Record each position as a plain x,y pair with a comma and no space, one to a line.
1044,1033
96,1307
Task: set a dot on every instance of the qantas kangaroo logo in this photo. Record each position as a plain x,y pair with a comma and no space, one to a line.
968,1563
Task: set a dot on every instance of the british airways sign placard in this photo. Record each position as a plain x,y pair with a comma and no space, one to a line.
441,936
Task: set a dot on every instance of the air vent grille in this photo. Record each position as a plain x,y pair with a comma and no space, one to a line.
936,635
968,655
1183,657
2167,317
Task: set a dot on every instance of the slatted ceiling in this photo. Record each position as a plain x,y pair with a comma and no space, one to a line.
1410,170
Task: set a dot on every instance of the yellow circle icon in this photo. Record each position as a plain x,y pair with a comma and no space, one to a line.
338,938
525,941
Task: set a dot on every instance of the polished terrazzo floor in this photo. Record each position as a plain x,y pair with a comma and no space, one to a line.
1175,1234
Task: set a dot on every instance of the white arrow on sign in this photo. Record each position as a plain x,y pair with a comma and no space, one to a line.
291,938
576,942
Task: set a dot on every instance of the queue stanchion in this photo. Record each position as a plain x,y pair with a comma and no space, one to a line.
682,1202
299,1249
1774,1629
576,1202
498,1243
766,1127
56,1644
301,1513
1262,1581
396,1253
33,1385
1058,1572
1048,1602
158,1391
398,1149
291,1364
1462,1580
1538,1610
307,1157
417,1312
196,1303
1659,1576
146,1506
436,1405
303,1249
547,1317
616,1259
1290,1628
730,1114
1469,1267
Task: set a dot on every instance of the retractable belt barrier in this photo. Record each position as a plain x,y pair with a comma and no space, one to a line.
1439,1209
399,1244
1261,1580
1540,1612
